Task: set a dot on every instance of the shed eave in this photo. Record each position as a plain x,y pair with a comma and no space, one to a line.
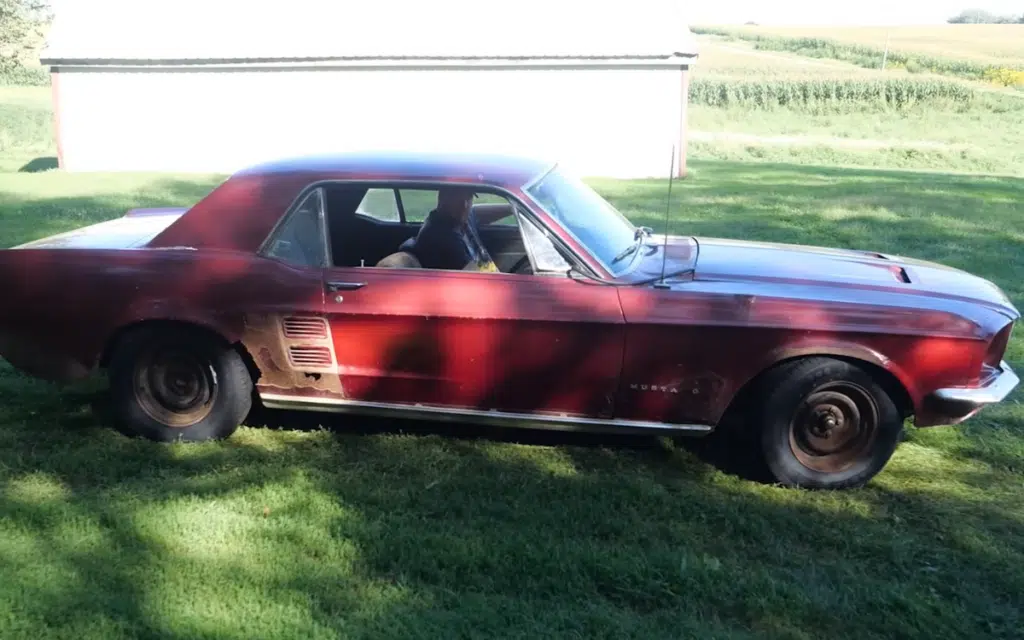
667,60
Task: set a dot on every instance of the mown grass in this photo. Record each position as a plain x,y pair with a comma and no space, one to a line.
918,138
385,529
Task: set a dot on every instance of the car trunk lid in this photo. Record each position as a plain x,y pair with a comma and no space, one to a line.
133,230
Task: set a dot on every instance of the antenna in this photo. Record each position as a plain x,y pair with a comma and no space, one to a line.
668,208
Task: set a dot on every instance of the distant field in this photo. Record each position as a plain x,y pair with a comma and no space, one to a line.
988,43
993,57
803,96
719,57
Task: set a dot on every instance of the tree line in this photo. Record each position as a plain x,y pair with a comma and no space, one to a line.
980,16
22,24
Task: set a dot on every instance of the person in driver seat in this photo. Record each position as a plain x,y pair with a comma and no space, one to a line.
449,238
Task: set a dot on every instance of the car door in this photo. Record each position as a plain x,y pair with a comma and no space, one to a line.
476,341
285,329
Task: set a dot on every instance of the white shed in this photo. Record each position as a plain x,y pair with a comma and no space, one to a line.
215,85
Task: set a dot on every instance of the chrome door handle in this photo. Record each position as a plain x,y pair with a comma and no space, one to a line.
345,286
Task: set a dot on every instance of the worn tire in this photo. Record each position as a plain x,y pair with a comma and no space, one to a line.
171,383
825,424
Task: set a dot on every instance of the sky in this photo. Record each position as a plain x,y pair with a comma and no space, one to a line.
789,12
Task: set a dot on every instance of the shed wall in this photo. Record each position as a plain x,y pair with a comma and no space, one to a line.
602,122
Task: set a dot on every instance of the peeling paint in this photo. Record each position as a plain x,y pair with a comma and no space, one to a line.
264,337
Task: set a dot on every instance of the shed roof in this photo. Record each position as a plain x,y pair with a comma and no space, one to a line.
202,31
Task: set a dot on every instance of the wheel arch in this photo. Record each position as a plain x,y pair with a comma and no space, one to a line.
118,335
887,375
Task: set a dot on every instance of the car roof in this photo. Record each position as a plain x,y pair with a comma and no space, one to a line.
510,171
240,213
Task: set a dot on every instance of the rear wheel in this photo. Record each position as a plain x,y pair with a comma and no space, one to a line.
171,383
825,424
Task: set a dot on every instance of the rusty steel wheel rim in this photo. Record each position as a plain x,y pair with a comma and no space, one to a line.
175,386
834,427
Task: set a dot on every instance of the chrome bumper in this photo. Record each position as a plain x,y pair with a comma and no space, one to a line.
995,389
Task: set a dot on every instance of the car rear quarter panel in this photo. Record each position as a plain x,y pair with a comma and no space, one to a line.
692,348
63,306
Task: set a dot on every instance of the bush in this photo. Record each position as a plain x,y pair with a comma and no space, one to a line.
25,76
1005,77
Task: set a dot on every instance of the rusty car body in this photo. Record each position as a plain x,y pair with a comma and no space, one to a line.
294,284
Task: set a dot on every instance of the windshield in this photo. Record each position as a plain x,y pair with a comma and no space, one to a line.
596,224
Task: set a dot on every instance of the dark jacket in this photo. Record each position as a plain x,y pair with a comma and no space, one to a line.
444,244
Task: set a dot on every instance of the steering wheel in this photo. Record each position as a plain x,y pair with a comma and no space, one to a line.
522,266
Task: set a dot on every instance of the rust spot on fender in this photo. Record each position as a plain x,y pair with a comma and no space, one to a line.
264,337
266,363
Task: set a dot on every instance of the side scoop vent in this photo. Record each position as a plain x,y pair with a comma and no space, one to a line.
305,328
310,356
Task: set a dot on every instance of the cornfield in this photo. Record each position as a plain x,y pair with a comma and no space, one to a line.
828,94
860,55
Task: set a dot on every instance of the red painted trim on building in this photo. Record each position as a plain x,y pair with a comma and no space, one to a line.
55,97
683,121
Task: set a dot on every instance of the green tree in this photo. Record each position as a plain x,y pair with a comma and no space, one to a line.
980,16
21,29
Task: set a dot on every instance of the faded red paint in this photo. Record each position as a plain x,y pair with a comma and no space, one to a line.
57,131
684,107
521,344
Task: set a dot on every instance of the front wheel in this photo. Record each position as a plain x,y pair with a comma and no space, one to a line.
171,383
825,424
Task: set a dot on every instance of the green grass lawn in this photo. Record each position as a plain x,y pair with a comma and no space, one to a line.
975,140
371,529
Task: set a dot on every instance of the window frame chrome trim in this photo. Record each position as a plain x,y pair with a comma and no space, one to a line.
398,183
290,211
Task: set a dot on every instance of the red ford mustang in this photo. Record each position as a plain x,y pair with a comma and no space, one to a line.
296,284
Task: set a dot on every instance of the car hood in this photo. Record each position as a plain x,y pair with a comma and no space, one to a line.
719,259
